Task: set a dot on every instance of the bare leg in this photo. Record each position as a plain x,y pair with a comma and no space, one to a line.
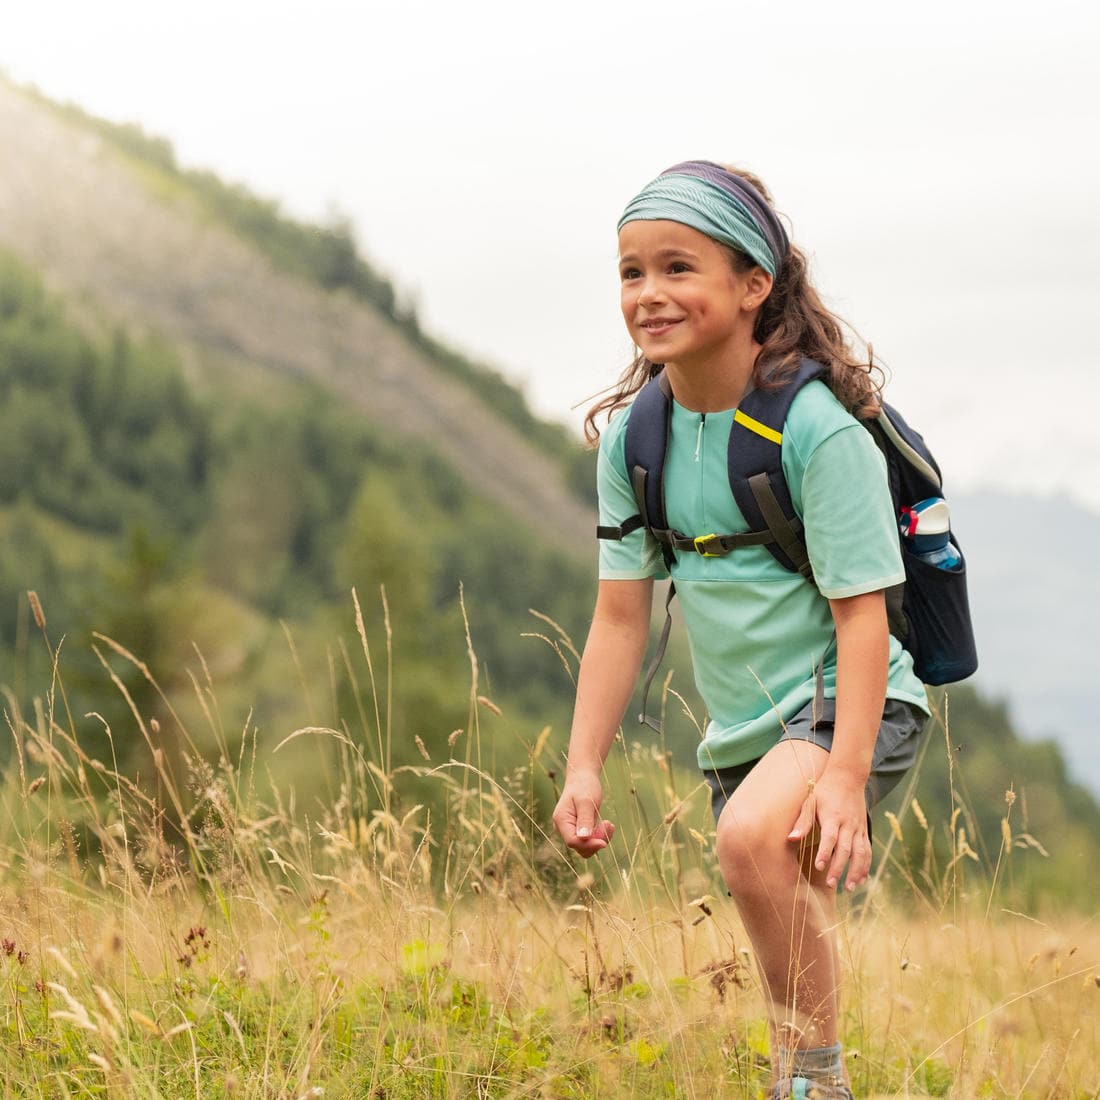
788,911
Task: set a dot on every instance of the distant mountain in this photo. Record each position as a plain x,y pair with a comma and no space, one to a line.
1035,598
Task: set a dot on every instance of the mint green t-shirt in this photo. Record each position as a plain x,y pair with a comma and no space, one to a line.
756,630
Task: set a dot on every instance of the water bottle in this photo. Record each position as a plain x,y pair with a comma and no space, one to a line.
926,527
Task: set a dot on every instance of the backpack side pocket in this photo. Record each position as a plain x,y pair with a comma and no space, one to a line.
941,636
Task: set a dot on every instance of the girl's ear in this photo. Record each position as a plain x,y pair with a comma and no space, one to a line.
758,287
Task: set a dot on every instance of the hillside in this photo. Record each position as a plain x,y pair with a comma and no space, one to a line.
140,248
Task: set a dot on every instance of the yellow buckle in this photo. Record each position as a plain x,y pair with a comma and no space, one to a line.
700,540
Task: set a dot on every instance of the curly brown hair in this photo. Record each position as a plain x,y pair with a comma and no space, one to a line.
791,324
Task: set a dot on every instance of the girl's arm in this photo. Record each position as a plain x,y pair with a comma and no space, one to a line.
837,799
609,670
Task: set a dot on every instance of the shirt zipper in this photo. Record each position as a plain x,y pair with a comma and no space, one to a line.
699,437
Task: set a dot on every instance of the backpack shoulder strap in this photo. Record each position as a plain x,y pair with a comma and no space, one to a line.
644,447
755,467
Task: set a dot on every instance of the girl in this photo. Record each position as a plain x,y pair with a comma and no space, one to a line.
714,294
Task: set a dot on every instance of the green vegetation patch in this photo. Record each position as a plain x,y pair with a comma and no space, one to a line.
178,523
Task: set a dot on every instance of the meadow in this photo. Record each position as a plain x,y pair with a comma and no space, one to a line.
197,929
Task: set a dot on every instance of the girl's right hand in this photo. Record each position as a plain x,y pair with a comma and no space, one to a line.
577,815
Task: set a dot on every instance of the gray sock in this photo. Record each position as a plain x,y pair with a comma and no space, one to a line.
822,1065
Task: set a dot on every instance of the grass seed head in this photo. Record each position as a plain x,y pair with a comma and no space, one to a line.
108,1005
61,961
140,1018
489,705
36,609
76,1014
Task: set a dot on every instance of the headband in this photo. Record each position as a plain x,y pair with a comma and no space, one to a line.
707,197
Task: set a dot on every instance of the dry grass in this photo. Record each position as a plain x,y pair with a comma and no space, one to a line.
208,940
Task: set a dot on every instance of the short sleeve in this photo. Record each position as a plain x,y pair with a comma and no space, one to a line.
637,556
851,532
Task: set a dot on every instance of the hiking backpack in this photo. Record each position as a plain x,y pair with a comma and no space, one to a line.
929,613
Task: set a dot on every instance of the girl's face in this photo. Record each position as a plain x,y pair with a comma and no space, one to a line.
682,300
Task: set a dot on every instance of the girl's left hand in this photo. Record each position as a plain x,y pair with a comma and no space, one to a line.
836,804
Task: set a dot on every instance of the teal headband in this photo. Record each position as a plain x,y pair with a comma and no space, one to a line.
711,209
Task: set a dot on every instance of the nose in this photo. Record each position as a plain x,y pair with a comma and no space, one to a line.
650,292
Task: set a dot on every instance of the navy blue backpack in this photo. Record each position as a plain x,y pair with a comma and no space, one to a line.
929,613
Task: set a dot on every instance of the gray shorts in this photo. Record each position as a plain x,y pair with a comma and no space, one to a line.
899,739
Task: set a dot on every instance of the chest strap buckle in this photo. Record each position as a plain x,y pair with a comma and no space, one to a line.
709,546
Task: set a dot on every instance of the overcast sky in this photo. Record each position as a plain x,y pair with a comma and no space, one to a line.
940,163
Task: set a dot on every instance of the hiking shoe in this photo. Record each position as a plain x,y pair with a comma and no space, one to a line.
802,1088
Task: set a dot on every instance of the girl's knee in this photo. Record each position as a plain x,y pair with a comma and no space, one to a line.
753,851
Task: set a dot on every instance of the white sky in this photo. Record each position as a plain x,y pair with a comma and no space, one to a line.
939,162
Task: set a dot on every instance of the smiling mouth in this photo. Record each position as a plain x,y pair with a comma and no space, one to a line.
657,324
